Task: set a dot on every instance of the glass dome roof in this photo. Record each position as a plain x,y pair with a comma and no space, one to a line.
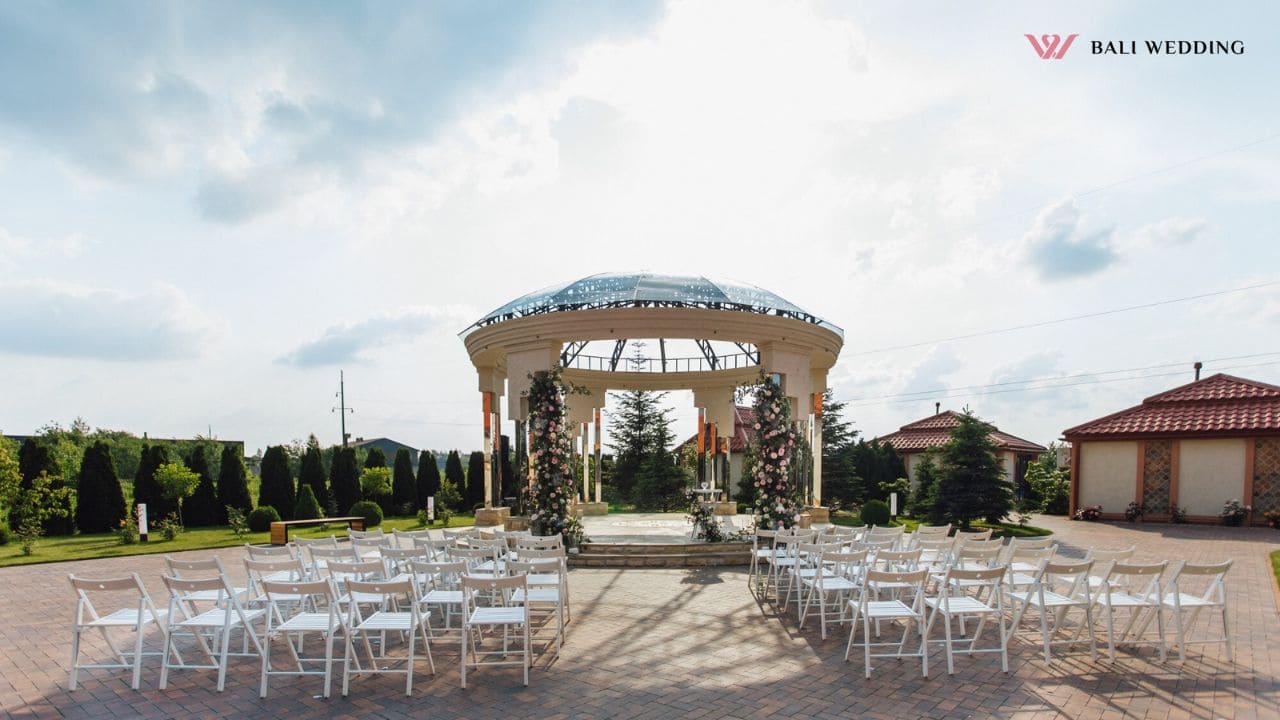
618,290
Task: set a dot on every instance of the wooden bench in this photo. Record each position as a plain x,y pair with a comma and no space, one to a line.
280,528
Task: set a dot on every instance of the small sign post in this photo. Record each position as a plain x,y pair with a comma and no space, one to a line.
893,504
431,509
142,521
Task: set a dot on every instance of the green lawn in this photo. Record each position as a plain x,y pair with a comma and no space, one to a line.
1275,565
86,547
1001,529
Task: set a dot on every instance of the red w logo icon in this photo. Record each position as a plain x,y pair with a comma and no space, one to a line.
1051,47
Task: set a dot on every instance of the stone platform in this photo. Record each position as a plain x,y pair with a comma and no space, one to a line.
657,540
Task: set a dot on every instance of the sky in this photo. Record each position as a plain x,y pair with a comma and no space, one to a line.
208,210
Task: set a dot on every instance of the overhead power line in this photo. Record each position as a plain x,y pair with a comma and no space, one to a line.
1059,321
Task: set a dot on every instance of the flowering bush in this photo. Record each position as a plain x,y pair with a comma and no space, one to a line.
1233,513
1089,512
1273,518
128,530
549,451
1134,511
773,442
1178,514
705,525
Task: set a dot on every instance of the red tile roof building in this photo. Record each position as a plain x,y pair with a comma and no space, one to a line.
1194,447
934,431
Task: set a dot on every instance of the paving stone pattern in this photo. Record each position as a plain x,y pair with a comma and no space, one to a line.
688,643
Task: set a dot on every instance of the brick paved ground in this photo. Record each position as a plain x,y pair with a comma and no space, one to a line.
691,644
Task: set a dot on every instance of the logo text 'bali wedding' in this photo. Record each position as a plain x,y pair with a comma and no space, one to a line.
1051,47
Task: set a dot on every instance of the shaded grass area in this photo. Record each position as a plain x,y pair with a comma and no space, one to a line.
1275,565
103,545
1000,529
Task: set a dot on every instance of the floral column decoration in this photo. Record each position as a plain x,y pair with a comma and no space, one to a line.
549,452
772,446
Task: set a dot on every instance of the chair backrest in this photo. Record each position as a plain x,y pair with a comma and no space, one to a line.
304,594
969,542
1110,555
324,556
967,536
978,557
437,575
1212,574
324,542
205,567
292,589
258,571
539,542
397,559
1032,555
1071,577
461,533
490,584
844,562
360,570
885,533
961,581
932,530
542,555
263,552
897,560
437,549
1035,542
180,586
474,556
1142,579
902,577
365,534
516,567
360,546
398,587
405,538
119,586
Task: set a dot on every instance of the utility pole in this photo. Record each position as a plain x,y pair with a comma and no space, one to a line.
342,408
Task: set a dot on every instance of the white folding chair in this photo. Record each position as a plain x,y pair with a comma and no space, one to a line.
406,538
210,629
1103,559
504,613
1046,600
544,602
397,561
317,601
439,587
784,562
288,569
763,548
210,567
552,571
1134,588
1186,607
370,548
364,534
964,537
845,578
137,617
320,557
868,610
955,601
388,618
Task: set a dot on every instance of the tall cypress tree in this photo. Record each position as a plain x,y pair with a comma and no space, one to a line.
454,474
475,480
276,489
428,481
404,489
100,506
145,488
344,479
508,472
33,458
233,484
375,459
972,484
312,473
632,438
200,509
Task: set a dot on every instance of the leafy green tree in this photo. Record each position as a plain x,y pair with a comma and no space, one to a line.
475,480
924,502
661,484
34,458
67,446
10,480
200,509
100,506
233,484
375,485
449,497
344,479
454,474
307,508
158,505
1050,485
177,483
428,480
404,490
311,472
276,489
972,484
375,458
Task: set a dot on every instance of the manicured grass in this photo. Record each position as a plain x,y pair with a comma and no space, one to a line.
1001,529
1275,565
86,547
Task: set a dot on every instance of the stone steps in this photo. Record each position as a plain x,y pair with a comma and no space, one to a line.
661,555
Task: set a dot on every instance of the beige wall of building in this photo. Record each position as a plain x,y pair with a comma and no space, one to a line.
1108,474
1210,472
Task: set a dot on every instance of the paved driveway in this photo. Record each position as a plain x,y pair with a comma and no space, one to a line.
690,644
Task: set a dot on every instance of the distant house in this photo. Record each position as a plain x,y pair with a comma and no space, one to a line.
1196,446
742,421
388,447
913,439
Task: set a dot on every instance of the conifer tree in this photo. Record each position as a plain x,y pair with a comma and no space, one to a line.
145,489
428,480
508,472
971,484
475,480
311,472
276,489
839,479
233,484
454,474
344,479
307,507
100,506
404,489
635,425
34,458
375,459
200,508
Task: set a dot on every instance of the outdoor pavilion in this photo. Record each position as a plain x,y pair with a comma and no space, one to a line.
553,326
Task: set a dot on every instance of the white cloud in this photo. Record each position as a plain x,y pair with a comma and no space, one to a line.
1057,248
50,319
351,342
15,249
1171,232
